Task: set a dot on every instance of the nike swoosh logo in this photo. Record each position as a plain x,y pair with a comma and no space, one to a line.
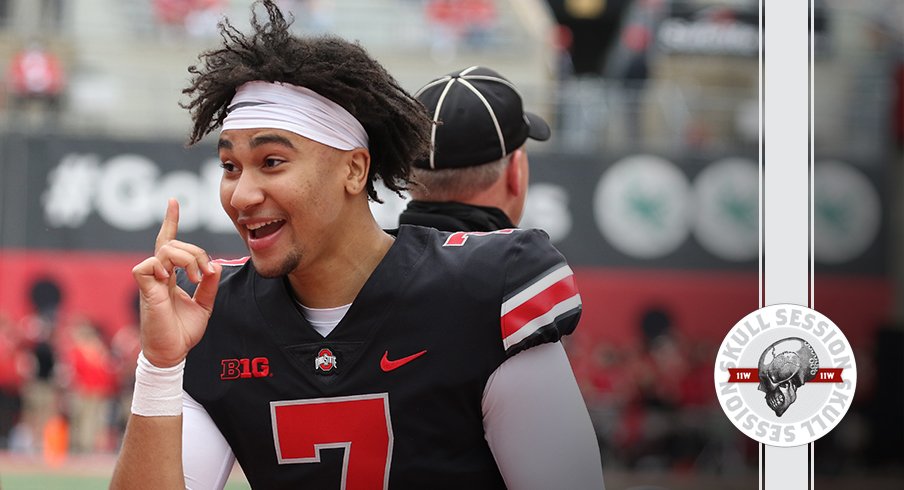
388,365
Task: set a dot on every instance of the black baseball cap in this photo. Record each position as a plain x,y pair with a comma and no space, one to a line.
479,118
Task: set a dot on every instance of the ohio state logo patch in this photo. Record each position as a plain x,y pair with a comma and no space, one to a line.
325,362
785,375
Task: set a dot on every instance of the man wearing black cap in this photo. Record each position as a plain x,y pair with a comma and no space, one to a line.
476,175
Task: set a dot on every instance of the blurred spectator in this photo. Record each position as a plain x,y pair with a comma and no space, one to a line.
594,25
35,77
606,389
652,403
92,385
12,358
636,40
562,40
197,18
454,22
176,12
694,389
125,346
40,395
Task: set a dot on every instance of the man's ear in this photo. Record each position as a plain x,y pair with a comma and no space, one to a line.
514,172
358,164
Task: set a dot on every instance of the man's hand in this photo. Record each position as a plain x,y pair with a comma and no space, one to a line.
172,322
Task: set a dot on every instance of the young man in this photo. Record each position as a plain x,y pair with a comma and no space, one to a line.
476,175
337,355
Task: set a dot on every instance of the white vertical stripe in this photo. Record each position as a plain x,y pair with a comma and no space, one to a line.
812,203
786,198
762,123
762,130
786,147
760,466
439,107
812,147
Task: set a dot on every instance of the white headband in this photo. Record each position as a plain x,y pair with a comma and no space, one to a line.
297,109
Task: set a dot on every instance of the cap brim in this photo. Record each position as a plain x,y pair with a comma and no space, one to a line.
539,130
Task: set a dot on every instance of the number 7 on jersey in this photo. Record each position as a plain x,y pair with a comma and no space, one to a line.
301,428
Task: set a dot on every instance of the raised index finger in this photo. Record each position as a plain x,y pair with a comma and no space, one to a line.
170,225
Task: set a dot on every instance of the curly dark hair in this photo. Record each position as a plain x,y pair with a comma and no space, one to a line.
397,124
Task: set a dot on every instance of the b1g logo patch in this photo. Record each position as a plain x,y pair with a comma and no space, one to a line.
785,375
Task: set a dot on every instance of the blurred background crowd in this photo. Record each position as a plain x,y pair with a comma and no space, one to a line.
648,186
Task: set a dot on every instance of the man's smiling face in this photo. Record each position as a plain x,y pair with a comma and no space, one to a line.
284,194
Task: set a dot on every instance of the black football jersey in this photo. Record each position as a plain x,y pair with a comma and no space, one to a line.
391,398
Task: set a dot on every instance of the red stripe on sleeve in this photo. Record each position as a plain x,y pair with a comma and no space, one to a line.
541,303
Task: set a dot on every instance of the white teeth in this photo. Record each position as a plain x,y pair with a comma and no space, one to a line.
257,226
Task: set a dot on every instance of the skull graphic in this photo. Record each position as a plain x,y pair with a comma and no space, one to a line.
784,367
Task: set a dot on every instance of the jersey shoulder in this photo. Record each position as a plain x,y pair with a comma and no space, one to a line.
538,298
499,247
541,303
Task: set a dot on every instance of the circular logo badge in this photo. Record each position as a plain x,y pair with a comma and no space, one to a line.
726,221
847,213
785,375
642,206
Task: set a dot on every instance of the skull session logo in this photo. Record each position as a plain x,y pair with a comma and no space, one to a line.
782,373
785,375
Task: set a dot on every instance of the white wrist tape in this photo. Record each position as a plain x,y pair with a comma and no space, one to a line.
158,391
